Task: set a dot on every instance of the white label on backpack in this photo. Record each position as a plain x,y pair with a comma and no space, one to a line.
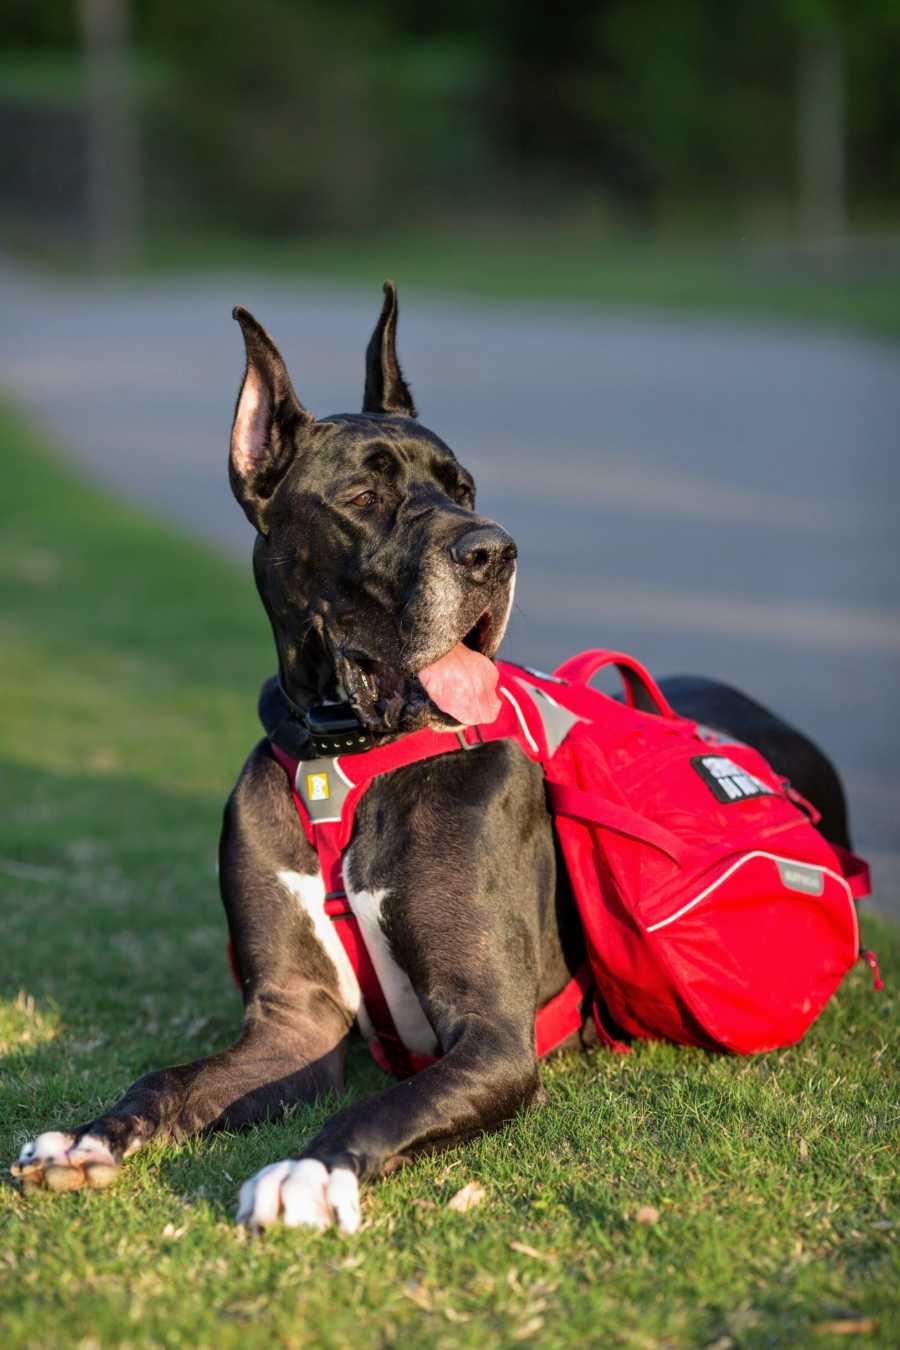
797,877
728,781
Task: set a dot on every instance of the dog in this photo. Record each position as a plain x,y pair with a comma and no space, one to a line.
386,591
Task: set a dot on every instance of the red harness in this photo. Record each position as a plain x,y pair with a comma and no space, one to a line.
330,837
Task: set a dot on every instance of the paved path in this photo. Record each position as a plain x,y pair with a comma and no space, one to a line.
711,497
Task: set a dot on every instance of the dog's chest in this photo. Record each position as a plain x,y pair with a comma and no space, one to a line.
413,1027
369,907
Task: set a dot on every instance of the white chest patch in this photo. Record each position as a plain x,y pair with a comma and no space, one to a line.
412,1025
309,892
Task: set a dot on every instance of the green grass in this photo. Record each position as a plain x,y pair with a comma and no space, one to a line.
129,663
856,289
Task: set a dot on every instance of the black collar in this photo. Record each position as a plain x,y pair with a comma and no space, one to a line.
323,731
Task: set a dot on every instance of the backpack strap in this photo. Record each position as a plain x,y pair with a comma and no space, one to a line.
511,723
566,800
641,690
564,1014
855,871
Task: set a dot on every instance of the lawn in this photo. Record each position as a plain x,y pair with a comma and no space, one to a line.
667,1198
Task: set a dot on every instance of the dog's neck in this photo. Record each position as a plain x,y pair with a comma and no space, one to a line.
299,711
311,687
306,672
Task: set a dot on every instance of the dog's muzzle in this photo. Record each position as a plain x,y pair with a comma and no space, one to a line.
485,556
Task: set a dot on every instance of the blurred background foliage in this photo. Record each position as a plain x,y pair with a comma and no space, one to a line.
131,125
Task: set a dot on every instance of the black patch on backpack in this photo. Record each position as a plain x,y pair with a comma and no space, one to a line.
727,781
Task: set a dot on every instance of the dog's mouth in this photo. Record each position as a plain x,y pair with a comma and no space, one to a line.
463,682
457,687
479,637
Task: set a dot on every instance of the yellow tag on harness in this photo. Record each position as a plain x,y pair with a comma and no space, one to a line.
318,788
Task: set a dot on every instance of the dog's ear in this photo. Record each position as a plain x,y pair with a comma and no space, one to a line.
386,389
267,418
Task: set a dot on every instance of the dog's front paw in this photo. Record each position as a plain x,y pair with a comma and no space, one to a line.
304,1194
60,1163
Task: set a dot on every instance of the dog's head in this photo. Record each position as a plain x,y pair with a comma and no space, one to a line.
382,583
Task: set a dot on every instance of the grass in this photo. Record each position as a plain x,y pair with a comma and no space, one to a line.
129,662
856,287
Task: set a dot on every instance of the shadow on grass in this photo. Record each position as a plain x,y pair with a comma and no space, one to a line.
209,1168
115,965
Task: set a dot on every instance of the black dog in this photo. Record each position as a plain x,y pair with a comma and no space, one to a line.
385,590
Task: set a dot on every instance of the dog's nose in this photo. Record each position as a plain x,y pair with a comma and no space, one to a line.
484,553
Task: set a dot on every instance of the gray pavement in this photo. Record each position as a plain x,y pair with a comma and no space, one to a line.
711,497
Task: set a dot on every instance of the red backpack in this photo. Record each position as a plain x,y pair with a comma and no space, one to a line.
714,912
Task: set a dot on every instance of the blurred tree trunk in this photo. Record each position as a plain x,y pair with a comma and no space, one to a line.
821,133
113,153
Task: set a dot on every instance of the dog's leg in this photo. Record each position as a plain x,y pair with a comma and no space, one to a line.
483,1080
457,899
299,1003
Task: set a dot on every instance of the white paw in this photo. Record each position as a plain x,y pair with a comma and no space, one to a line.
302,1194
55,1161
51,1146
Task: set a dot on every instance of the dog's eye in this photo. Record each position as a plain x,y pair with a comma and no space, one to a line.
464,495
364,499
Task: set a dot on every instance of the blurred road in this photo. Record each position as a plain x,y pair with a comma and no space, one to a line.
713,498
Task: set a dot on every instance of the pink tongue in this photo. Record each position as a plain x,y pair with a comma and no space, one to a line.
463,684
